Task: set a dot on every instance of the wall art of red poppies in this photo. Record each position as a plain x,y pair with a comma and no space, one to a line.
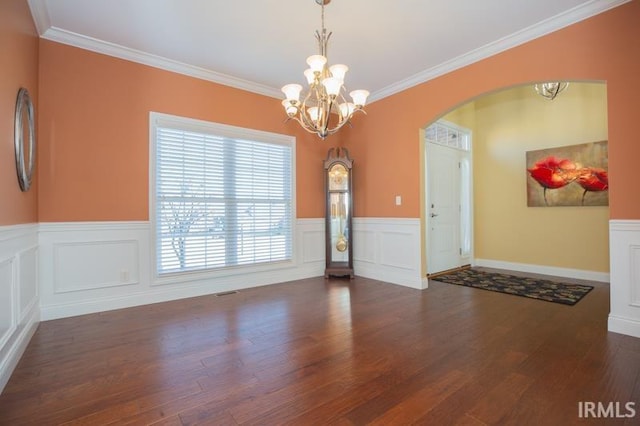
575,175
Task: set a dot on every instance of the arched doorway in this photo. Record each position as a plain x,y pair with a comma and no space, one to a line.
562,241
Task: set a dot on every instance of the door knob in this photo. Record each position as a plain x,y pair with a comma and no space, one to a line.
433,215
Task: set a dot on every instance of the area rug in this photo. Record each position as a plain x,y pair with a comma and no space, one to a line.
535,288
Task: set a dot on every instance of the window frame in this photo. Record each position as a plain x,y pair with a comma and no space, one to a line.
156,120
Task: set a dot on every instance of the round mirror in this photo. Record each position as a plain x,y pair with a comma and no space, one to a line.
24,138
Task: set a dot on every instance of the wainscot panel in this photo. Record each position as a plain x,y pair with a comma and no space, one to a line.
388,249
88,267
19,307
624,242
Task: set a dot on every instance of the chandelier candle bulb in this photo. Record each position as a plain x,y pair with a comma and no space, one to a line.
292,92
289,107
346,109
339,71
359,97
323,110
310,75
316,63
313,114
332,85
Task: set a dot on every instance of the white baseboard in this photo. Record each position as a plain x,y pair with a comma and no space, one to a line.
628,326
544,270
19,345
390,276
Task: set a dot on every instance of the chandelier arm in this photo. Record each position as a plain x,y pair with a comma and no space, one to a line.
304,126
327,116
335,129
344,100
323,109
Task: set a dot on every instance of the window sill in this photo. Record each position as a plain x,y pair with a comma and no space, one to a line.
218,273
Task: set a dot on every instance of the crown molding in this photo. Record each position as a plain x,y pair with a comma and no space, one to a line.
42,21
118,51
555,23
40,15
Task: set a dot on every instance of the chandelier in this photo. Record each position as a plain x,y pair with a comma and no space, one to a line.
550,89
324,109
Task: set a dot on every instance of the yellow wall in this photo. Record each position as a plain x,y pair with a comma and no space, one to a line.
464,116
507,124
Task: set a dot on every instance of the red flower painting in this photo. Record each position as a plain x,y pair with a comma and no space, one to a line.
594,180
553,173
565,176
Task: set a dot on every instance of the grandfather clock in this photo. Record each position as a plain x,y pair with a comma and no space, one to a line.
339,211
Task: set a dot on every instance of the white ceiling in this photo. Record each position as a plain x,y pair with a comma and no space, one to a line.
260,45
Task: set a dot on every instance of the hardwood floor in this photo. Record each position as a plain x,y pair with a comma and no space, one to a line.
329,352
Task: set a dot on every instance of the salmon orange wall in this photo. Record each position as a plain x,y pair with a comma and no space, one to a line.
602,48
93,122
94,133
19,53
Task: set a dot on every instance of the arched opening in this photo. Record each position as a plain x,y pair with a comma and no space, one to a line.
505,125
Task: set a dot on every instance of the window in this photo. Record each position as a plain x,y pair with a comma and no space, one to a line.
221,196
446,134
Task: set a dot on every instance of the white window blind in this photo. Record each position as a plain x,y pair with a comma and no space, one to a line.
220,201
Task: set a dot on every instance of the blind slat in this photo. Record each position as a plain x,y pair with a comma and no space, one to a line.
221,201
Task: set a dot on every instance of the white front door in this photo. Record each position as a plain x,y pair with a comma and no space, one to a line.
443,208
448,212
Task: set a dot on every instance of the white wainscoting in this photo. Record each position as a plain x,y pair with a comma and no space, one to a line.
19,307
388,249
88,267
624,247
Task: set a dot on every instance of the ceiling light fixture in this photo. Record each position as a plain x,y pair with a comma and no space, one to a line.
324,110
550,89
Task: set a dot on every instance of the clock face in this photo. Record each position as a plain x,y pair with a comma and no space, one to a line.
338,178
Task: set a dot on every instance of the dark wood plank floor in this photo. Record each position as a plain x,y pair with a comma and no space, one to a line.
328,352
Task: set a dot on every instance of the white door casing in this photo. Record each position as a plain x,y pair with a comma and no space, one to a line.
448,186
